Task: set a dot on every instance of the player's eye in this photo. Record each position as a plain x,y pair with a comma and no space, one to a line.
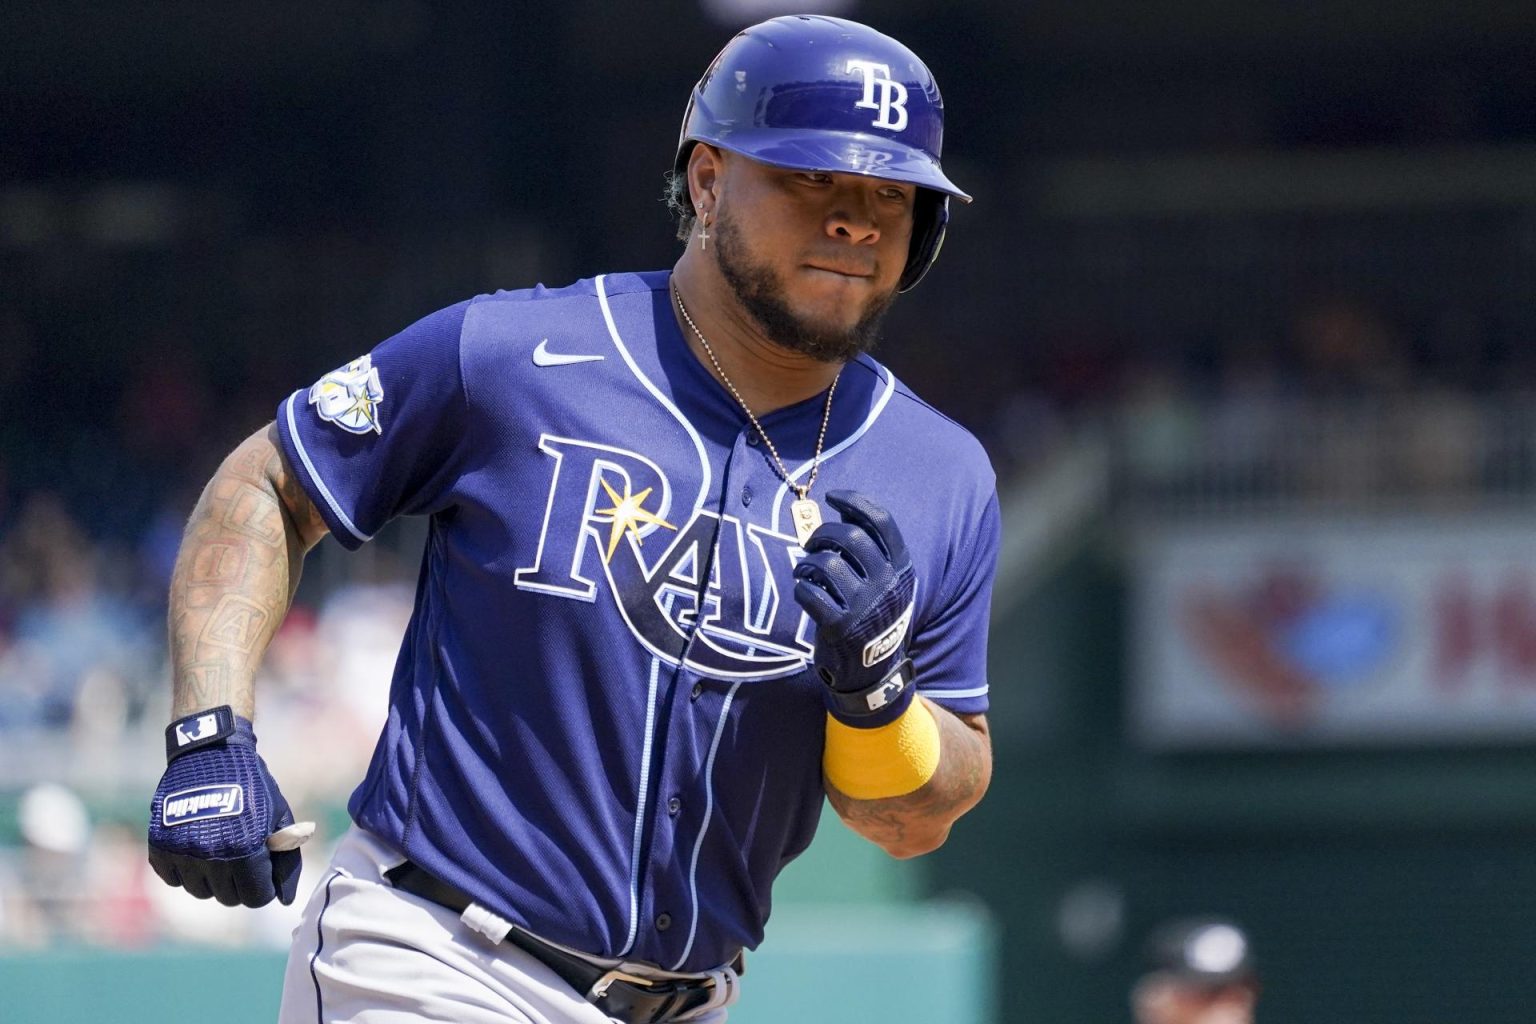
816,177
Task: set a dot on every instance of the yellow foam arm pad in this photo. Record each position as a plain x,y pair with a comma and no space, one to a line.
891,760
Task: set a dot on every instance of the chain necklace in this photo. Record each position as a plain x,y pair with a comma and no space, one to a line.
803,511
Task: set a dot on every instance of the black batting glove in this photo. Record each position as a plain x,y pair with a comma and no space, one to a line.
856,584
213,812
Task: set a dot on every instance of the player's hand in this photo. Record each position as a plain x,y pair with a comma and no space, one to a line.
856,584
218,825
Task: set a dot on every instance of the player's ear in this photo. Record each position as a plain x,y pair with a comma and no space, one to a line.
704,167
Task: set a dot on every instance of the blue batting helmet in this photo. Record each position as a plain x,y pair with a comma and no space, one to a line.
814,93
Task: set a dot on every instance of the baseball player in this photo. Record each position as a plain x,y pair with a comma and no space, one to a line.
696,561
1199,971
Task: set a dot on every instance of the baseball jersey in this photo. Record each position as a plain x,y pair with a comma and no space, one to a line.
603,722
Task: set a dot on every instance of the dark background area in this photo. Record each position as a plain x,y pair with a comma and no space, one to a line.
238,197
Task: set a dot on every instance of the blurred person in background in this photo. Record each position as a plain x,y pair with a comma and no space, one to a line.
68,635
1198,971
114,891
41,888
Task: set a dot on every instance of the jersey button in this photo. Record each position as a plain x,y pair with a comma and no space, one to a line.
674,805
698,688
752,440
746,495
663,921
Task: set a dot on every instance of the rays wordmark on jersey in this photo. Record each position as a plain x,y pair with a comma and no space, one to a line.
608,521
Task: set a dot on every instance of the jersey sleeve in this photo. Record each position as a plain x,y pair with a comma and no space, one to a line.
949,653
382,436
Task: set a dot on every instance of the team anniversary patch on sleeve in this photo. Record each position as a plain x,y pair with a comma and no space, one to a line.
350,397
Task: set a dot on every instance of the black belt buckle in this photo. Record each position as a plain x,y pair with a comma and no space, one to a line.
639,1000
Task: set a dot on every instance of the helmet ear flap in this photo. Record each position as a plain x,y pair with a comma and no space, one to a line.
930,220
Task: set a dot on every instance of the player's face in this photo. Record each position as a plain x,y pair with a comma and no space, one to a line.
815,258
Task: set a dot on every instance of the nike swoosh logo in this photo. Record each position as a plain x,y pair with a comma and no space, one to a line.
542,356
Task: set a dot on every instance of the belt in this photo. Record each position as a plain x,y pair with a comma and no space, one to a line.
618,993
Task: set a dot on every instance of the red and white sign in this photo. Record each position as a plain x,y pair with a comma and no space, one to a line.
1332,632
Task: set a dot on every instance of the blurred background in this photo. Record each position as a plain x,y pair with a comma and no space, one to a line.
1244,312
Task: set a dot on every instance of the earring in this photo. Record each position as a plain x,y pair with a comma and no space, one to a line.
703,229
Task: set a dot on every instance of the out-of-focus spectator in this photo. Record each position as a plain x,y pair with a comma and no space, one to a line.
113,901
1198,971
1160,423
67,634
1439,431
39,889
1344,346
155,550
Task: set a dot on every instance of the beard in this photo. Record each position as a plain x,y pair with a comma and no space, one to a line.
761,292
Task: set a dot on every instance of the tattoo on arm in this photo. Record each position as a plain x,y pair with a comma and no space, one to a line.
206,684
298,510
965,771
235,575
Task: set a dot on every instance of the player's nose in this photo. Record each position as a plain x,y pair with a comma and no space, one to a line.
851,216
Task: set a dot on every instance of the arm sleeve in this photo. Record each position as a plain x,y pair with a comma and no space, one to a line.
950,653
383,436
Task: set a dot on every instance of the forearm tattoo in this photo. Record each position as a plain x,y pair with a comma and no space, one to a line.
235,575
920,817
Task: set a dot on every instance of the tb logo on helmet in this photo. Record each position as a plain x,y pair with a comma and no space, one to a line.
893,95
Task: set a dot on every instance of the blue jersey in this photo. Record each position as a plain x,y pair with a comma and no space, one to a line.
603,721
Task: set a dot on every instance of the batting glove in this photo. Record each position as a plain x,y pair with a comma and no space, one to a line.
856,584
214,811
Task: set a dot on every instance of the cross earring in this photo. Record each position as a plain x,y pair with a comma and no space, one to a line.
704,229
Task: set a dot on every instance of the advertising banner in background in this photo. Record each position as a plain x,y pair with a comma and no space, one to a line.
1317,632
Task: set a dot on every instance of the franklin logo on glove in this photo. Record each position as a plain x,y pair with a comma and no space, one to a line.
202,803
884,645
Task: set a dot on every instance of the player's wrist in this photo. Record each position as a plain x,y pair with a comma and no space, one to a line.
890,760
218,726
879,703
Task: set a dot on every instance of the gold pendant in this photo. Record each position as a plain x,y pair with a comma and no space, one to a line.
807,516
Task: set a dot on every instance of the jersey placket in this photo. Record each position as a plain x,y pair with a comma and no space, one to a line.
692,713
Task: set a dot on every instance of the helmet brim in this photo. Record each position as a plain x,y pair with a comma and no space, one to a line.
839,153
